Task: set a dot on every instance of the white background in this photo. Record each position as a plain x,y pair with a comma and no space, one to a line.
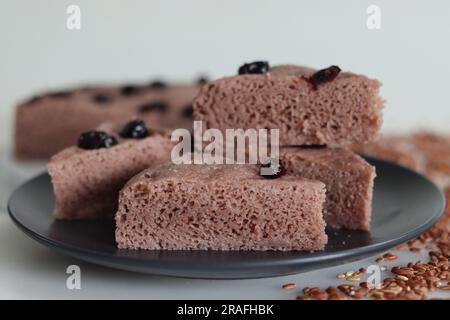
140,40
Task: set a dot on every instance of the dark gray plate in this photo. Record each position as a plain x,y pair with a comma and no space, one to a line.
405,204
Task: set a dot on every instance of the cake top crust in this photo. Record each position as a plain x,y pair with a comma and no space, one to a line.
292,72
225,173
338,158
157,136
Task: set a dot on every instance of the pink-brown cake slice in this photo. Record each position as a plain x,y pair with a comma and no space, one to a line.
348,179
423,151
220,207
51,122
397,150
86,183
346,109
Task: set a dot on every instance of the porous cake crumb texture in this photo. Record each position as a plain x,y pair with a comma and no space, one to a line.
227,207
345,110
348,179
86,183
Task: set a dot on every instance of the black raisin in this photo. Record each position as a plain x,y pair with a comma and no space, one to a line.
158,106
187,111
135,129
130,90
157,84
324,75
202,80
271,169
256,67
102,98
96,140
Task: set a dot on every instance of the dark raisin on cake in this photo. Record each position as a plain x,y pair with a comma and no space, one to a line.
271,169
157,84
158,106
256,67
324,75
102,98
96,140
135,129
187,111
202,80
130,90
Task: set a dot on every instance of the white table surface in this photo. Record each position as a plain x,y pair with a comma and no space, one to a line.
29,270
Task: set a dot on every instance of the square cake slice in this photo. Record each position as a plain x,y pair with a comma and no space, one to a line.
348,179
87,178
306,106
219,207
